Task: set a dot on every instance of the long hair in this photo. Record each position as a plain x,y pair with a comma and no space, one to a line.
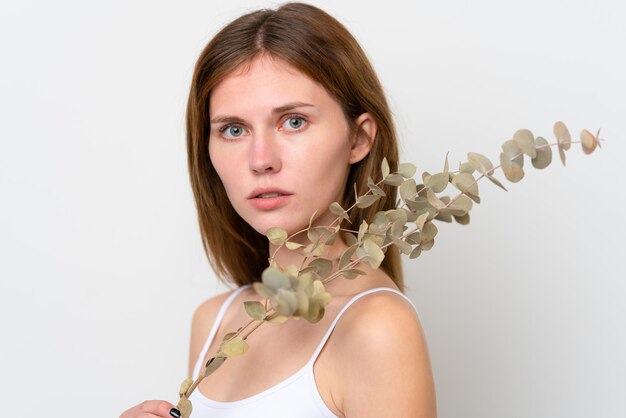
320,47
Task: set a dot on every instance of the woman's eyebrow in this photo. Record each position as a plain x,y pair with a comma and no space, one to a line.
281,109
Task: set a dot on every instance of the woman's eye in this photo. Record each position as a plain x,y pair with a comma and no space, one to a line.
234,130
294,122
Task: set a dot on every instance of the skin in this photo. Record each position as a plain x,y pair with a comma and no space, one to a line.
308,151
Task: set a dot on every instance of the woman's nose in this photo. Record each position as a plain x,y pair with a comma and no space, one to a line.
264,153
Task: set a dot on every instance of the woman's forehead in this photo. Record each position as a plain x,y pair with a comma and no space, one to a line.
265,83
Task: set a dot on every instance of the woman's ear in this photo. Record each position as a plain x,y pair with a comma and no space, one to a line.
366,128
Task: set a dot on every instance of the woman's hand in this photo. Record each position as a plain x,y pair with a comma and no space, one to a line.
152,409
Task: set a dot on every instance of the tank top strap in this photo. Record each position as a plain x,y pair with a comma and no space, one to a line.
346,306
215,327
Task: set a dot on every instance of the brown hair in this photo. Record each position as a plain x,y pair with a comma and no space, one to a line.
319,46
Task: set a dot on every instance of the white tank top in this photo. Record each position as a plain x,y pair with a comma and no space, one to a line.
296,396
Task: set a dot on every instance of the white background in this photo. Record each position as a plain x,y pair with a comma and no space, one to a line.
101,264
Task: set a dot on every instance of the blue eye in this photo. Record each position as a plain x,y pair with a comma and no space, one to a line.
294,122
235,130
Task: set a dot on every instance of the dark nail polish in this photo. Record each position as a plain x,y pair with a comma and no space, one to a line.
175,413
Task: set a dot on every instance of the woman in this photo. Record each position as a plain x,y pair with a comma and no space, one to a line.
285,114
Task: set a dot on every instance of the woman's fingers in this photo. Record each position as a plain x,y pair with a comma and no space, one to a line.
150,409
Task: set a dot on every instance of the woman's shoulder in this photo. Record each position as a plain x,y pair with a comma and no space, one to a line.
202,321
380,338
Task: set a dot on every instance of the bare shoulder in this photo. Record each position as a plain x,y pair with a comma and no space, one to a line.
202,321
383,358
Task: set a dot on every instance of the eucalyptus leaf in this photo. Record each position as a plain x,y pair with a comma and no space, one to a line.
336,209
344,260
466,183
408,189
293,245
544,155
481,163
213,364
235,347
375,255
394,180
366,201
184,386
496,182
427,245
588,141
513,151
323,266
407,170
184,407
384,168
513,171
526,141
274,279
374,188
562,135
416,252
277,236
428,232
437,182
255,309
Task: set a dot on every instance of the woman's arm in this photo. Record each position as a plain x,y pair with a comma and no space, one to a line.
383,360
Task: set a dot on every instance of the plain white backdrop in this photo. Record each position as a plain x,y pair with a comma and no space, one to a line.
101,264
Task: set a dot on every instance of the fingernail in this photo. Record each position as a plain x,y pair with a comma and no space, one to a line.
175,413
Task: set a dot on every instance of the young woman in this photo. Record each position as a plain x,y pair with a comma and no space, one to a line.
285,114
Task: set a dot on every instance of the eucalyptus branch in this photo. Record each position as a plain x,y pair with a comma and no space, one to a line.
296,292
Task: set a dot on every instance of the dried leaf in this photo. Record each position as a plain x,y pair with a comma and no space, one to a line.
184,406
562,135
213,364
588,141
479,162
437,182
274,279
421,220
404,247
416,252
544,154
184,386
234,347
336,209
407,170
466,183
366,201
428,232
375,255
277,236
255,309
293,245
496,182
374,188
511,169
526,141
408,189
344,260
323,266
427,245
394,179
513,151
466,168
384,168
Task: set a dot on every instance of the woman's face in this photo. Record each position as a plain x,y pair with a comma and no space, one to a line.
280,145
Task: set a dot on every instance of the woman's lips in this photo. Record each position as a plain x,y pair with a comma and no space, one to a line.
268,203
